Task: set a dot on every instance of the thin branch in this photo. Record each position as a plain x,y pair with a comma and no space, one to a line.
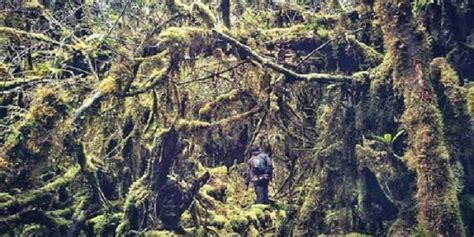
89,102
37,36
115,23
212,75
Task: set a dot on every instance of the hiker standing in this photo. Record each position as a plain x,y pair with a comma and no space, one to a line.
259,172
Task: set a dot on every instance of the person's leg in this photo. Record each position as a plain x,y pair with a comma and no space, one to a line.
265,193
259,192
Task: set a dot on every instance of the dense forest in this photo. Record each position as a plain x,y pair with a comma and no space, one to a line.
136,117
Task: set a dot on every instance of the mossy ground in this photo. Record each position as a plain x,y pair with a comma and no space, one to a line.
229,208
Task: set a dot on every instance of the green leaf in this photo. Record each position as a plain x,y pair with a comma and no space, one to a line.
387,137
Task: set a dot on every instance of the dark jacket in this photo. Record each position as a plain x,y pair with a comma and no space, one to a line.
251,174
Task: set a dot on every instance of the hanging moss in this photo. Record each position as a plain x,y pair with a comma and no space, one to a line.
192,126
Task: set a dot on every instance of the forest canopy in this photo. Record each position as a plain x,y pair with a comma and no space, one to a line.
137,117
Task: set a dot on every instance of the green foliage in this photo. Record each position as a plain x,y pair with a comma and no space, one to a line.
182,39
388,141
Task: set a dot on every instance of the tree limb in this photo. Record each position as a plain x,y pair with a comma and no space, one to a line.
12,203
290,76
37,36
196,126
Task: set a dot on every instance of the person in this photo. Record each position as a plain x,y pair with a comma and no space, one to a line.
259,172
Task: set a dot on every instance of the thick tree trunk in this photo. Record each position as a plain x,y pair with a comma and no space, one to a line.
408,47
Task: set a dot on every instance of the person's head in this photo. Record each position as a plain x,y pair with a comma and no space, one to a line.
255,149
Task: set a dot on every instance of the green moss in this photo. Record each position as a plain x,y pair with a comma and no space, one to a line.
111,83
323,33
182,38
66,212
5,197
32,4
219,221
470,102
354,234
253,231
191,126
99,223
29,197
449,80
295,32
210,107
203,12
34,230
371,55
137,194
161,233
219,172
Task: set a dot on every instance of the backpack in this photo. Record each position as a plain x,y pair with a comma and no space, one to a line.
261,165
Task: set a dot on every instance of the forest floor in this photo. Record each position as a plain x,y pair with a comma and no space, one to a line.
228,207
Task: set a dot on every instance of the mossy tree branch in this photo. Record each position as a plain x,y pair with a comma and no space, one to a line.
192,127
211,107
21,201
29,35
290,76
55,224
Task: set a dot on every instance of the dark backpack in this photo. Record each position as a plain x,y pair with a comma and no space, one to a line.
261,165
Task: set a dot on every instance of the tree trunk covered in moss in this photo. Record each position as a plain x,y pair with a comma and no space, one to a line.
330,206
427,154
